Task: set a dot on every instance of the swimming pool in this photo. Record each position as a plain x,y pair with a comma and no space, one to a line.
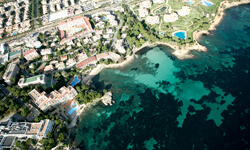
72,110
14,53
161,10
15,33
78,29
76,81
189,2
206,3
180,34
104,18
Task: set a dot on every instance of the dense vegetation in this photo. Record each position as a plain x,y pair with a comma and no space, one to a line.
8,105
86,94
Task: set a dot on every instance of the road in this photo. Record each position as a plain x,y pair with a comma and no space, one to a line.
117,29
54,23
4,90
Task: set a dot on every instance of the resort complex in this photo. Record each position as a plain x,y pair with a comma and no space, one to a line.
52,53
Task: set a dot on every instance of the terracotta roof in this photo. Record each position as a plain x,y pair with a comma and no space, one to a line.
67,104
29,52
63,57
62,34
102,55
86,62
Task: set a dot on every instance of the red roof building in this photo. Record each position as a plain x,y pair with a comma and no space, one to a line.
30,54
84,63
71,27
63,58
62,34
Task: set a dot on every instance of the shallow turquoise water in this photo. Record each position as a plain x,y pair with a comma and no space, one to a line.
166,103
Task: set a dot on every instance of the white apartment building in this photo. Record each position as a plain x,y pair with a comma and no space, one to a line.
146,4
171,17
158,1
119,46
46,51
60,66
45,101
152,20
4,48
143,12
10,72
71,62
184,11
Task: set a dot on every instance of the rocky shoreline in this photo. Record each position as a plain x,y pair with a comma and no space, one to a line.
179,52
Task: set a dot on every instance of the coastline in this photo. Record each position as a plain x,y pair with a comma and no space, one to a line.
179,52
221,12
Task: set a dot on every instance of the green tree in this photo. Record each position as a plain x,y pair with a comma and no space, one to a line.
18,143
61,137
12,80
65,74
25,111
84,87
28,141
24,146
51,141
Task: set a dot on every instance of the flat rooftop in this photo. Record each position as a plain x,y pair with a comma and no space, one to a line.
14,53
44,127
34,128
34,78
8,141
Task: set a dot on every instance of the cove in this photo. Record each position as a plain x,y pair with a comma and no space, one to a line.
166,103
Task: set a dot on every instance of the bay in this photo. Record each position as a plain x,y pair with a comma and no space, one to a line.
166,103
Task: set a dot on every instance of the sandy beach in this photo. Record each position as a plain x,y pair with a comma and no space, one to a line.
100,67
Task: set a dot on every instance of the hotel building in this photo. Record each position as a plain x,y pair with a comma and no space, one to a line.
44,101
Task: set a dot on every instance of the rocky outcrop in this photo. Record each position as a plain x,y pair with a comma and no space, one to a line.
107,99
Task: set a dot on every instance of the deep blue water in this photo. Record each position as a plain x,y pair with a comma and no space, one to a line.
166,103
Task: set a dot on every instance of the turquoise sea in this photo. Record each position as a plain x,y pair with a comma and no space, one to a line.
166,103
